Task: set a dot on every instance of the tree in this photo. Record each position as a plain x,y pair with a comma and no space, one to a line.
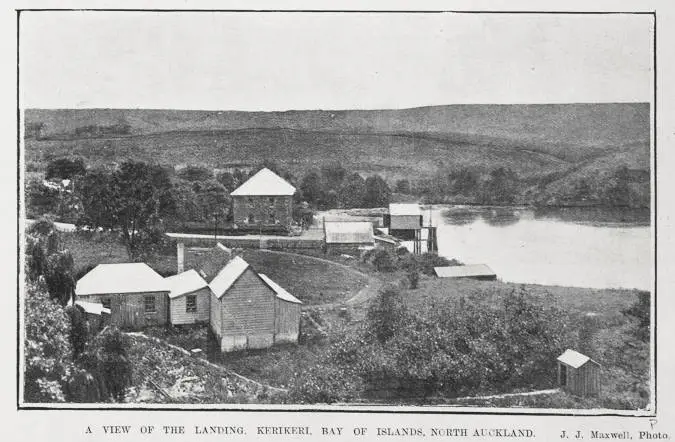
352,192
386,314
59,276
641,311
65,168
377,192
333,175
403,186
501,187
117,369
79,333
463,182
227,180
100,196
47,350
195,173
312,188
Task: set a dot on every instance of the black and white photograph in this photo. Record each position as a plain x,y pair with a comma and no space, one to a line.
337,210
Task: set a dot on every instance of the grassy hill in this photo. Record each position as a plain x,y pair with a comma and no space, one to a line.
562,142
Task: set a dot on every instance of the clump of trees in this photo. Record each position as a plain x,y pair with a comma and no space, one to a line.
478,344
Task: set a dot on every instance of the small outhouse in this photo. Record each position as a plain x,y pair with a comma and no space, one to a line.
578,374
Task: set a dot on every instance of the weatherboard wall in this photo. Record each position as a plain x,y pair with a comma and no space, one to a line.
287,321
127,310
178,314
247,314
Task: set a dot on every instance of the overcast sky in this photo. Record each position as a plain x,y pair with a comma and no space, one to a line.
278,61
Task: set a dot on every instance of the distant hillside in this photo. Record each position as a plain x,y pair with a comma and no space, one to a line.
568,131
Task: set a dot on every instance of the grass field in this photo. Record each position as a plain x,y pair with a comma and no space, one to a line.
313,281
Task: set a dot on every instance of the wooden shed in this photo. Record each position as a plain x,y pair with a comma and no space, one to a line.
287,311
189,298
95,314
136,295
264,200
348,236
403,220
578,374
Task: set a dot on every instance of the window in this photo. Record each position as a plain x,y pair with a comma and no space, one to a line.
273,219
250,201
149,303
251,218
191,304
106,302
271,202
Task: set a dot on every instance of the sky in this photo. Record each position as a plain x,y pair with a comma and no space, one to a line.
281,61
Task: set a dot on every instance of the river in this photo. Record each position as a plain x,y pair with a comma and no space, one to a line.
581,247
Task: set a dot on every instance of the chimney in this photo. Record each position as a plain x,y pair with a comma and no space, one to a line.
180,256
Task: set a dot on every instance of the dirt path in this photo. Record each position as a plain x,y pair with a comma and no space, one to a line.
505,395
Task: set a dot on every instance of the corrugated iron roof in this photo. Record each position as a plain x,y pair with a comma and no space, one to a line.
120,278
573,358
93,308
185,282
281,293
227,276
351,232
265,183
403,209
464,271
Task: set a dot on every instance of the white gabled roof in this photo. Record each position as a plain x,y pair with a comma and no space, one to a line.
265,183
120,278
402,209
186,282
573,358
464,271
349,232
94,308
227,276
281,293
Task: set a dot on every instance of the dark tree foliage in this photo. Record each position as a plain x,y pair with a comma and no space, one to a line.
59,276
312,189
377,192
65,168
352,192
47,349
386,314
227,180
79,332
402,186
116,367
133,198
99,193
464,182
501,187
641,311
195,173
333,175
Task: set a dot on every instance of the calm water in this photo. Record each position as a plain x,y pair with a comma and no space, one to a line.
572,247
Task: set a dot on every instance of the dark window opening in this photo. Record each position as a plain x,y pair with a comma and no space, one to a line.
149,304
191,304
106,302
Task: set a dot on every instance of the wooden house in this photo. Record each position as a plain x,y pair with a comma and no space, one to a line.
136,295
578,374
189,298
287,309
473,271
403,220
244,309
350,237
264,200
